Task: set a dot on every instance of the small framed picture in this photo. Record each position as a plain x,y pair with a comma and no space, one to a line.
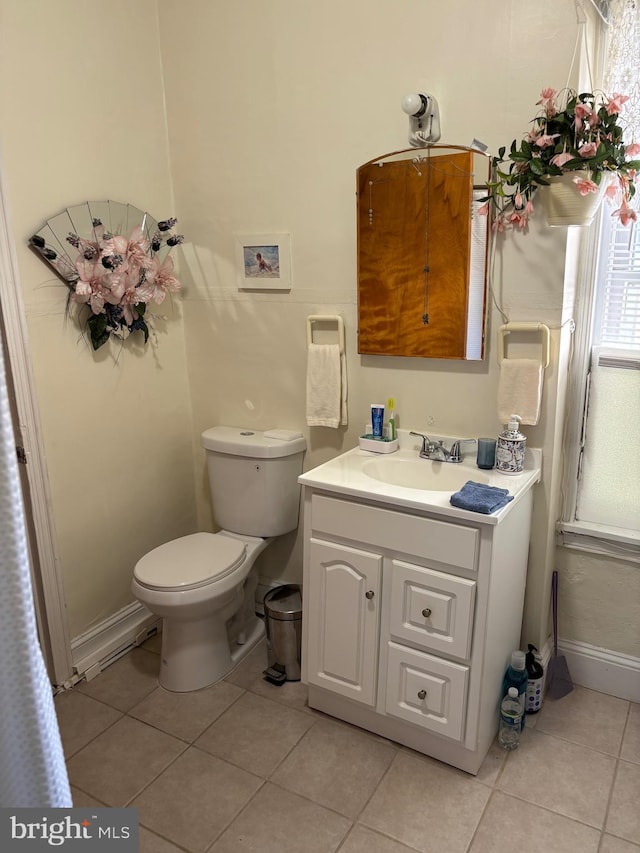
264,261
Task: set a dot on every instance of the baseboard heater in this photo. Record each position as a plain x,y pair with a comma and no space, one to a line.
105,643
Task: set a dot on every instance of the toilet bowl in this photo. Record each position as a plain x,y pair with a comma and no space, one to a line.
196,584
203,585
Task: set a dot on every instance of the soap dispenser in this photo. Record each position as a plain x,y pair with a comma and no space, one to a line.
510,448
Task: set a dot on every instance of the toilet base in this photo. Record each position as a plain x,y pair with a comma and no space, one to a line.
197,654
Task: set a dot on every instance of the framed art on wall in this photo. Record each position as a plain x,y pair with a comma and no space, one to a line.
264,261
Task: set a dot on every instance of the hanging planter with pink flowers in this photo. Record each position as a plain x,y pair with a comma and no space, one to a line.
576,140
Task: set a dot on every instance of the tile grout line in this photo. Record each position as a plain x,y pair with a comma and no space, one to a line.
484,811
187,745
180,847
171,763
576,743
127,804
613,781
624,730
355,825
95,737
549,810
296,744
238,813
375,790
192,744
308,800
609,799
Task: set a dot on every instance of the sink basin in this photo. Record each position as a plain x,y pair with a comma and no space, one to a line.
401,479
416,473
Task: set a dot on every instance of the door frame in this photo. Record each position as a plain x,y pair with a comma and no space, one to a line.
48,589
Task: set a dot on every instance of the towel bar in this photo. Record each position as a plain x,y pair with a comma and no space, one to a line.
525,327
326,318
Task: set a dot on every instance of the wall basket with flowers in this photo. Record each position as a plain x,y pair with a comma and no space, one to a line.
115,260
576,141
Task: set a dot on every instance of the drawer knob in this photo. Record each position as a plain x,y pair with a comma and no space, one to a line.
422,694
426,612
369,594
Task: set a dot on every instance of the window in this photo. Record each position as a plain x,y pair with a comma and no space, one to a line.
609,468
602,504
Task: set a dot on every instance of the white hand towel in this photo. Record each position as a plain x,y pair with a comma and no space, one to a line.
326,386
520,390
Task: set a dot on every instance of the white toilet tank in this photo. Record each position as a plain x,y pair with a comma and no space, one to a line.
254,479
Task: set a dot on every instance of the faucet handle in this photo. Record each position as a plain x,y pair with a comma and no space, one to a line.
426,442
454,453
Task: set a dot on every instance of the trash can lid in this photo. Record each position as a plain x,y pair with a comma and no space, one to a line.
284,603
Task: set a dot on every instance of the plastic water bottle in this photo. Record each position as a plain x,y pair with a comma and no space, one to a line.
516,676
510,719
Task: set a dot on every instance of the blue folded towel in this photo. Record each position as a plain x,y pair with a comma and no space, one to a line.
479,497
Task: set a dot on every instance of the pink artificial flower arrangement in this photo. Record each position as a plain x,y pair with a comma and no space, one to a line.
117,276
582,136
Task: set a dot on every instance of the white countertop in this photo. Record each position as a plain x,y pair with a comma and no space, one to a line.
344,475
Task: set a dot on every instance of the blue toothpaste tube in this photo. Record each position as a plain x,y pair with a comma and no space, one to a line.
377,419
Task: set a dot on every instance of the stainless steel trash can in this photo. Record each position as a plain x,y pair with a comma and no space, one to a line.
283,615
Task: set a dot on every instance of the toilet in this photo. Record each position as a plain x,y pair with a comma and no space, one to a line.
203,585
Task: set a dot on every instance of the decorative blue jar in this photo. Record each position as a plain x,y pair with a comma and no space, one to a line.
510,448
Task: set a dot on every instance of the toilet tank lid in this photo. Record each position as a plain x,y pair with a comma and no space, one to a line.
251,442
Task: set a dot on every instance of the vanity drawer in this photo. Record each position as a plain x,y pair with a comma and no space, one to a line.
427,691
432,609
455,544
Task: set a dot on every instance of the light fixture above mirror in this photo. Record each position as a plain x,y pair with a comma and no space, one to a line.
424,119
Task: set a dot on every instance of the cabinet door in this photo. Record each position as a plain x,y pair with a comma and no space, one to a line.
343,612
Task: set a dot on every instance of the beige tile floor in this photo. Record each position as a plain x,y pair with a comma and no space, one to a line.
246,766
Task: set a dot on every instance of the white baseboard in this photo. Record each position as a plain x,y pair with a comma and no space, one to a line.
94,650
598,669
602,670
101,646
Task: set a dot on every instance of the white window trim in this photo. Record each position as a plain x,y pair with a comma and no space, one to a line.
600,539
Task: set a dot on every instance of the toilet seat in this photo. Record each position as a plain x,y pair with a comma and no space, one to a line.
190,562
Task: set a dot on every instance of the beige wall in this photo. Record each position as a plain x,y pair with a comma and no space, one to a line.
81,118
599,601
271,107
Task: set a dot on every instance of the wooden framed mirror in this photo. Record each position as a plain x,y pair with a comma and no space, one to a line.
422,253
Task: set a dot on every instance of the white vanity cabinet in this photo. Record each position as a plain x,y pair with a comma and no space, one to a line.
410,617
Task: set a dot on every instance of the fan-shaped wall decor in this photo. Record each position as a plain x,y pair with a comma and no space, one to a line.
114,258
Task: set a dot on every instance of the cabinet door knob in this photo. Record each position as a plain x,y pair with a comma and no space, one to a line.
426,612
422,694
369,594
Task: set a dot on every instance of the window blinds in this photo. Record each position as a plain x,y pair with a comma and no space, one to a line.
618,314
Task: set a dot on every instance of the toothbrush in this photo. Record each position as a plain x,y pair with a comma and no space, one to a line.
391,405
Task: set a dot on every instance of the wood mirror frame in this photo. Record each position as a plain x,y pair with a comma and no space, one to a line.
422,253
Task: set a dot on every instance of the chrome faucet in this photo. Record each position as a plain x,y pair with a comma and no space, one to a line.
437,452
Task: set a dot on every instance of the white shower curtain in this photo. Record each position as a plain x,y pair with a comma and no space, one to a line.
32,767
